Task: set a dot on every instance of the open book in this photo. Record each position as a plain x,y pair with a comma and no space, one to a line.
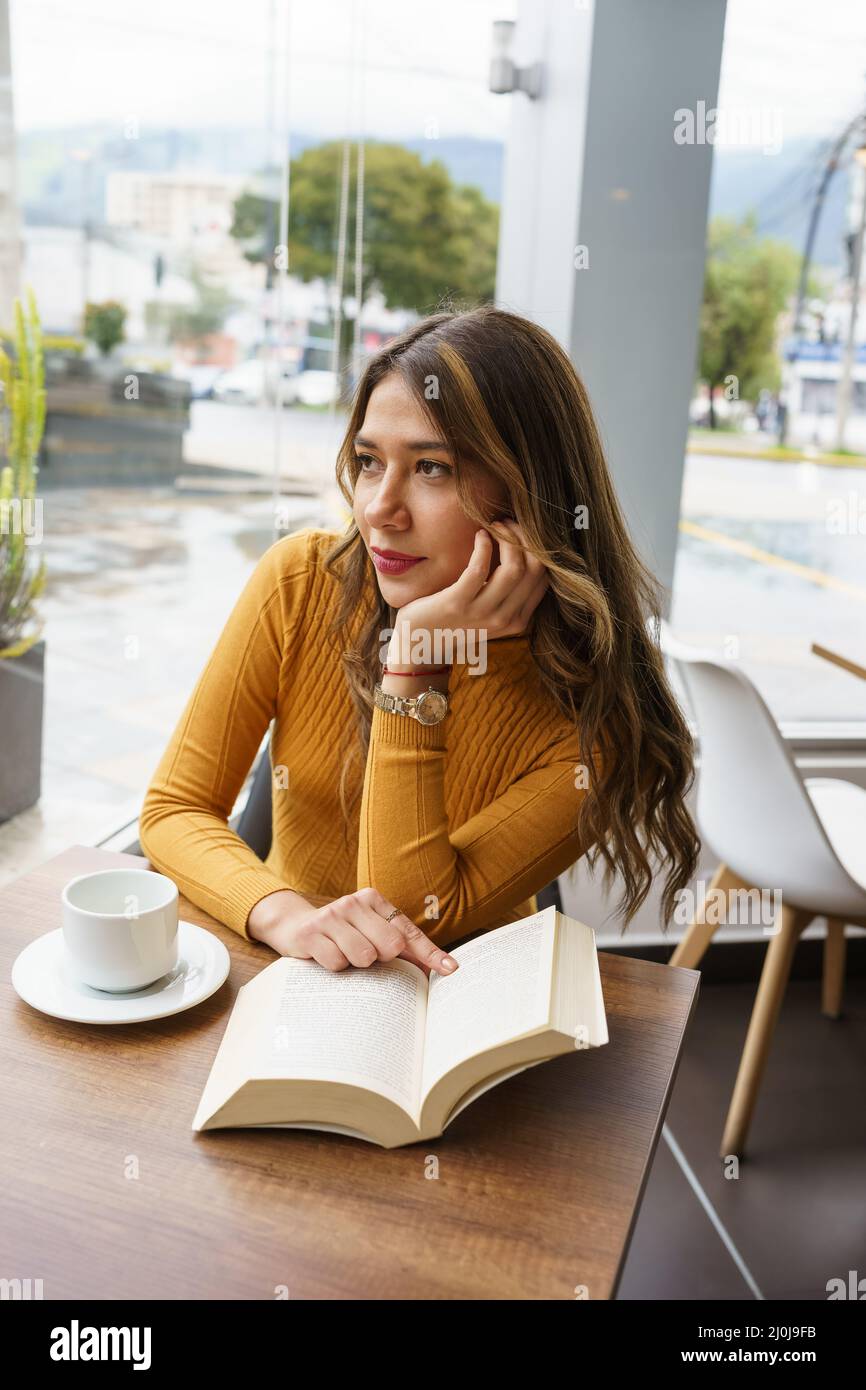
385,1053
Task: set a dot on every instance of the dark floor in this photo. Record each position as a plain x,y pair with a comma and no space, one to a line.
795,1216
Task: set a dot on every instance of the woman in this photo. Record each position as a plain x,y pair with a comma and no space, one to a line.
533,724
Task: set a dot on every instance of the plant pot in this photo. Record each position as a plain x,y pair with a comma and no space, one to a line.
22,695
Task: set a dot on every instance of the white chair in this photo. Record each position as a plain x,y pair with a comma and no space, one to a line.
773,830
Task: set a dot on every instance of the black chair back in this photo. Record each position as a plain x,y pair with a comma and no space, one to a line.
254,825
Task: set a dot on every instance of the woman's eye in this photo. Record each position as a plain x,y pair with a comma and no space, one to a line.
434,463
422,464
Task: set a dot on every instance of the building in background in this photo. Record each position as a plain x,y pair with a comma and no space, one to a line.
192,210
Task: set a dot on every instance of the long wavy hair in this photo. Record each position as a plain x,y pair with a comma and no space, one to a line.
507,399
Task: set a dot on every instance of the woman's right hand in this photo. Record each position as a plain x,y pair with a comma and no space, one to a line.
347,931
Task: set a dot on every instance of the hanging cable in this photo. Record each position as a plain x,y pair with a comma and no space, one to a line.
340,273
359,212
281,265
340,268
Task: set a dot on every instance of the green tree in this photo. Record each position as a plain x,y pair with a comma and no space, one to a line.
747,282
103,324
425,238
22,423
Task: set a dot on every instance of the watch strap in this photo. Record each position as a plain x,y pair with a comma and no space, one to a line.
407,705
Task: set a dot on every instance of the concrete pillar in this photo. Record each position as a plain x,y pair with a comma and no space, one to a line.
10,229
604,222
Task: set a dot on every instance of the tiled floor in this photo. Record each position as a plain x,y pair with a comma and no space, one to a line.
795,1216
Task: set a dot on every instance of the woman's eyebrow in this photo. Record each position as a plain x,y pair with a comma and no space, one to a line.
366,443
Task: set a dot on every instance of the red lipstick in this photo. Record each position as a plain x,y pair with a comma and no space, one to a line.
393,561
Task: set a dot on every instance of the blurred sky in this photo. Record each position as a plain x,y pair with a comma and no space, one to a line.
202,62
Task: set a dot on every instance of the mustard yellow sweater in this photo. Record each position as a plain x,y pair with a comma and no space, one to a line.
460,823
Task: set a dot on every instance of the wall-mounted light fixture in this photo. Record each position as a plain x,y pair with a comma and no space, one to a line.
505,76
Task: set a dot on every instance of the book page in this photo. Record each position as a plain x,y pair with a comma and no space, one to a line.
364,1027
501,991
319,1124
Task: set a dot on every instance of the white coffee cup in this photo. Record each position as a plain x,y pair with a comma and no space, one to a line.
120,927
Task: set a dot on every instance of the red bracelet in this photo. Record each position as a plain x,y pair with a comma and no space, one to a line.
428,671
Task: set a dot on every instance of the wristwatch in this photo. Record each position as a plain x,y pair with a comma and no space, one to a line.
430,707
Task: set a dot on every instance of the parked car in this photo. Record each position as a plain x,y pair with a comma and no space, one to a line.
201,377
241,385
729,412
309,388
249,383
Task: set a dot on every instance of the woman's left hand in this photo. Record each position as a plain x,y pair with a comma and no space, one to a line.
500,604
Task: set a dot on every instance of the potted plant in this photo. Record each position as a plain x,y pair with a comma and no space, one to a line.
103,324
22,575
111,419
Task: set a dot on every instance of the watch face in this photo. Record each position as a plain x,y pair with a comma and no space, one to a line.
431,707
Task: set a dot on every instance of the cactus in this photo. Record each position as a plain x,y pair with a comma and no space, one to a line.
22,422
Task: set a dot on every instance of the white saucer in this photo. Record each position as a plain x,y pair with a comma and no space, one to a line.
43,977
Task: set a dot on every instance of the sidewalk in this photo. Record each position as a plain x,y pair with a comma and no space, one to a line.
760,445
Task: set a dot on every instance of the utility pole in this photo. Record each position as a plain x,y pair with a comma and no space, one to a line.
85,159
788,367
272,190
846,378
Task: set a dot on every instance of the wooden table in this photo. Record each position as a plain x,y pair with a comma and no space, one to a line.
850,660
106,1192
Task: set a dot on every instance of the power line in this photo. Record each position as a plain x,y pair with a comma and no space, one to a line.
811,167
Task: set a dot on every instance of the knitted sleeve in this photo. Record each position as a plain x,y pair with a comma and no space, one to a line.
452,882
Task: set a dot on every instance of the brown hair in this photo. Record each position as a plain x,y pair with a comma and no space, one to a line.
508,401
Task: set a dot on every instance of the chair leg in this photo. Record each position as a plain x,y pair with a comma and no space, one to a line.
765,1012
834,968
690,951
